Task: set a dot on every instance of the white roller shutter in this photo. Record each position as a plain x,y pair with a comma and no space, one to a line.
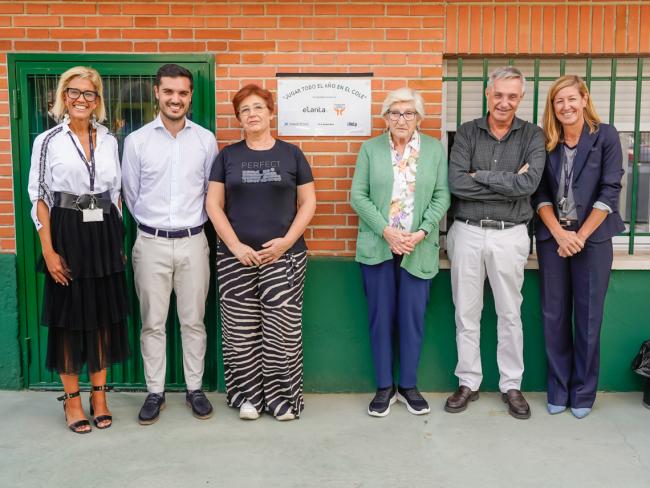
472,91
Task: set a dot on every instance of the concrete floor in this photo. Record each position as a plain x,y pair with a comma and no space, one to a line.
334,444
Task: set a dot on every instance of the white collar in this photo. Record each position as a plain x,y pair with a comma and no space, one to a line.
414,142
158,123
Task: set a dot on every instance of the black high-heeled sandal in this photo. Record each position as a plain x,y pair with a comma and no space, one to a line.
75,426
100,418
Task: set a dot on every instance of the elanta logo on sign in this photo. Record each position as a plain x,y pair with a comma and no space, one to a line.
339,108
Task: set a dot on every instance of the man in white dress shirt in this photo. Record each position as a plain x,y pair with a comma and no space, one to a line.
165,170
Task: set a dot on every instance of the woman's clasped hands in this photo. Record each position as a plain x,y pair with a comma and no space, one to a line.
271,252
246,254
402,242
569,243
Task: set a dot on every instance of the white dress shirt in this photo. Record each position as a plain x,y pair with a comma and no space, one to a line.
57,166
165,178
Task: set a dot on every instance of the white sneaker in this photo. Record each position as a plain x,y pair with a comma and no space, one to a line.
286,416
248,412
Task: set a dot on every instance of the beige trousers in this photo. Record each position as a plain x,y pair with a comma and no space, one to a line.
161,265
501,256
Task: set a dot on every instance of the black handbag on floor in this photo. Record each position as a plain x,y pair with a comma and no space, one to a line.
641,366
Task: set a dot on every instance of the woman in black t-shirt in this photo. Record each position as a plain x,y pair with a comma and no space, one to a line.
260,200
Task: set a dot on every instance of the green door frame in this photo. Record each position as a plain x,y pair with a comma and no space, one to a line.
54,63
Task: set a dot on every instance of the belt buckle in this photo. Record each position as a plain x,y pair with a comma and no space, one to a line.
566,223
82,199
491,224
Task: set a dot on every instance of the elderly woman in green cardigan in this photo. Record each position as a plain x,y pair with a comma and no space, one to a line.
399,191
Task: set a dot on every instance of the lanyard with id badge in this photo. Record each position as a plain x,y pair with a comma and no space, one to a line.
563,204
93,213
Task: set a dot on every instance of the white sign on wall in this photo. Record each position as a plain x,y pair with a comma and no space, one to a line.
324,106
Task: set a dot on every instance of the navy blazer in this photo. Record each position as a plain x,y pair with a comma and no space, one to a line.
597,173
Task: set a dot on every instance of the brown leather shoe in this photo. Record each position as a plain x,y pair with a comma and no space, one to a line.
517,405
459,400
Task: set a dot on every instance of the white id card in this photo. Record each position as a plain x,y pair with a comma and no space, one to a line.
93,215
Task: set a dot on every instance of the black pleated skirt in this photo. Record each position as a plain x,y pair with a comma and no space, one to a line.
87,320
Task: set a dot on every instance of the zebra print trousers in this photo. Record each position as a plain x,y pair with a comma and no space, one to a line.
261,320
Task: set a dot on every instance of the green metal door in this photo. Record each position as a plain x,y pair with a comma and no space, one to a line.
130,103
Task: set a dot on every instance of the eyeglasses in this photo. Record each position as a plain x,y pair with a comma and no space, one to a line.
394,115
74,93
255,109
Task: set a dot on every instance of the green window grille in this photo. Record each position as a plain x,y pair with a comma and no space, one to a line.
617,86
129,100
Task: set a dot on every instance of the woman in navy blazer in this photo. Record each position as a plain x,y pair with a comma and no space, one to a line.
577,204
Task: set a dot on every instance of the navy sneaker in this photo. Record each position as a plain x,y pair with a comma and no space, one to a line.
414,401
380,405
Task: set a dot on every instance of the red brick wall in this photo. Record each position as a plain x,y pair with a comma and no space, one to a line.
401,42
547,27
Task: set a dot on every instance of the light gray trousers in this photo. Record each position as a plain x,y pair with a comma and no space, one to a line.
161,265
499,255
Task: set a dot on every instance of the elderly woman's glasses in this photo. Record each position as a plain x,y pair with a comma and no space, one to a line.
89,95
255,109
394,115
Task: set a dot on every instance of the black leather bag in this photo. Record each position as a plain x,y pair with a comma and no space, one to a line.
641,363
641,366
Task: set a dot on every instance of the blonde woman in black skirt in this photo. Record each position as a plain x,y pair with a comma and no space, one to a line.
74,186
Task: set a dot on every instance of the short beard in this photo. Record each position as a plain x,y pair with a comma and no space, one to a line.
174,117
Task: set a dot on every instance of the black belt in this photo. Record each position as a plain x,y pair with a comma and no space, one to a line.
568,223
489,223
82,202
171,234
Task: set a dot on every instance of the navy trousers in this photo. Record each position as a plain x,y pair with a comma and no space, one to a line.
397,301
574,286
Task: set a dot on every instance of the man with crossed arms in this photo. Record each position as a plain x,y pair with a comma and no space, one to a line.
495,165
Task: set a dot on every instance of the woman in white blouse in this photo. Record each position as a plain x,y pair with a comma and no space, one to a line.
74,185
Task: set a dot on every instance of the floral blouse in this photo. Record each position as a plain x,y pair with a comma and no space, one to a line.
404,170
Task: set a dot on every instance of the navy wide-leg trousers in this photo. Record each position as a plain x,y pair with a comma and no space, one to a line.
573,288
397,301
